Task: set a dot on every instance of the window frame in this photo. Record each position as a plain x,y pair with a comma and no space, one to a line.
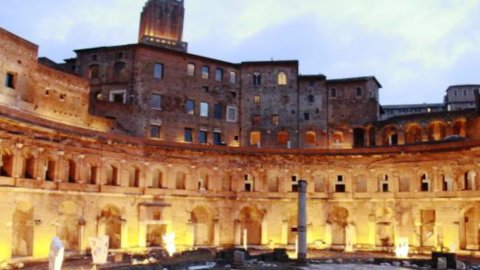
219,73
191,69
10,80
152,105
205,72
282,78
218,111
113,93
204,109
235,110
188,135
187,109
233,77
158,68
158,128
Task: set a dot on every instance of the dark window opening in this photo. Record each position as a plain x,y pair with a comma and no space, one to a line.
311,98
217,138
10,80
358,137
203,137
257,79
158,71
155,131
219,75
188,136
333,92
306,116
218,111
359,91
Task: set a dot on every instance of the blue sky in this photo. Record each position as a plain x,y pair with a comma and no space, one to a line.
415,48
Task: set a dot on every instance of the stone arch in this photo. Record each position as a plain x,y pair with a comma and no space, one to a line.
112,177
180,180
158,178
68,229
470,180
413,134
469,228
22,229
111,222
203,180
250,219
359,137
436,131
227,180
390,135
283,137
310,137
337,137
203,226
6,166
459,127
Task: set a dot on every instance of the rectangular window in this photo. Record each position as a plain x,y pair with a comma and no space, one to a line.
306,116
219,75
231,114
191,70
190,107
155,131
10,80
275,120
118,96
205,72
218,111
333,92
204,109
217,138
233,77
256,120
203,137
257,100
156,102
188,135
359,91
158,71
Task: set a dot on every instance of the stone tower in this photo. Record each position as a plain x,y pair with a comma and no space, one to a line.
161,24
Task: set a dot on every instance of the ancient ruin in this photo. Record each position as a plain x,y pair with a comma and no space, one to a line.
144,140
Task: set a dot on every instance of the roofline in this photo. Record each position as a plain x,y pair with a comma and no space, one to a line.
463,85
278,62
148,46
356,79
413,105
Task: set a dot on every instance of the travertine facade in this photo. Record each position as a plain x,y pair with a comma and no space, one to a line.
128,173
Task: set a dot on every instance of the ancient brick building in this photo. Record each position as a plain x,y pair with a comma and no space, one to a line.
137,140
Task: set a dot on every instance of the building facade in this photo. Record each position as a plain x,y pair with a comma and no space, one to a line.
139,140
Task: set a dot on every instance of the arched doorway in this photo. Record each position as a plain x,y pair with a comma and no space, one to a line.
202,221
338,218
111,220
251,221
413,134
469,229
358,137
22,238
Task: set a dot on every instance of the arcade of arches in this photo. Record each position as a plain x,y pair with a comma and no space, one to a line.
213,198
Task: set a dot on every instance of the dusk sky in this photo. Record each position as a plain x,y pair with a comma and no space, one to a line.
415,48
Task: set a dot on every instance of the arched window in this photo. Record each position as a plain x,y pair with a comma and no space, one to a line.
257,79
118,68
310,137
94,71
282,78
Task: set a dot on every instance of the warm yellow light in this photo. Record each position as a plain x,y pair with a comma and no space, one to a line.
169,240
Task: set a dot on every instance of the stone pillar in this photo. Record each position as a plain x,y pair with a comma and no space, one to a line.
82,245
238,233
264,232
284,238
216,233
302,222
328,235
124,235
142,227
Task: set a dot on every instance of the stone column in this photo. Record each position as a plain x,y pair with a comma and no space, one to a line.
264,232
302,222
284,232
216,233
238,233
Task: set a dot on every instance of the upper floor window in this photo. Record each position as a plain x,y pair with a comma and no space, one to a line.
233,77
10,80
257,100
333,92
118,68
256,120
275,120
205,72
203,136
190,107
257,78
156,102
118,96
218,111
158,71
311,98
219,75
359,91
217,137
191,69
282,78
231,114
204,109
94,71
